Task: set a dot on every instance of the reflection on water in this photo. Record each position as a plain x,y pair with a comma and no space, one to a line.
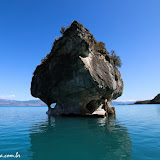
80,138
29,131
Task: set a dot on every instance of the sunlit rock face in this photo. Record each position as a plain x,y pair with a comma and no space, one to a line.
78,75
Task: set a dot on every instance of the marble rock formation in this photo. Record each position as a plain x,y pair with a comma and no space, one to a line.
78,75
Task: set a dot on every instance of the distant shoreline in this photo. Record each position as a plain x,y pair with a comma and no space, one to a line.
155,100
6,102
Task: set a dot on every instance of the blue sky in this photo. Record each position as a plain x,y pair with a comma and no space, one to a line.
130,27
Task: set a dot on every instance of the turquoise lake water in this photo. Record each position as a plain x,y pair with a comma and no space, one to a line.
134,133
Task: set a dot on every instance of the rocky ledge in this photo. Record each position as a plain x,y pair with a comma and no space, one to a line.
78,75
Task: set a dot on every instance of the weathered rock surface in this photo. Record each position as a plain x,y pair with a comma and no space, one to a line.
78,75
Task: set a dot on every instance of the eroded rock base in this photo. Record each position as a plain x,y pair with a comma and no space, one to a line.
98,113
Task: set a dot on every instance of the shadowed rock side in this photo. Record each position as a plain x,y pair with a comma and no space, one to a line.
78,76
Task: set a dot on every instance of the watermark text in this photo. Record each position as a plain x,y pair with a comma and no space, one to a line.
17,155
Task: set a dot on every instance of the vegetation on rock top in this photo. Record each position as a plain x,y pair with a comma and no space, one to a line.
99,46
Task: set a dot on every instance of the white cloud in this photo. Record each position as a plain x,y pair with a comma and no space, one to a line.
8,96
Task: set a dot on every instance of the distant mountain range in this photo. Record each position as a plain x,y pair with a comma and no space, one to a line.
6,102
122,102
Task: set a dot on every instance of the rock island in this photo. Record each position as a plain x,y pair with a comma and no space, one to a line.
78,75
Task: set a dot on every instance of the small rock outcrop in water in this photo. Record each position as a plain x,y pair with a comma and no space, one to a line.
78,75
155,100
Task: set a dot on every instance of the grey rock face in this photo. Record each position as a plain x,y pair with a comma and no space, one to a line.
78,75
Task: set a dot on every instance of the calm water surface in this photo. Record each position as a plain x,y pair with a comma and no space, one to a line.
134,133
